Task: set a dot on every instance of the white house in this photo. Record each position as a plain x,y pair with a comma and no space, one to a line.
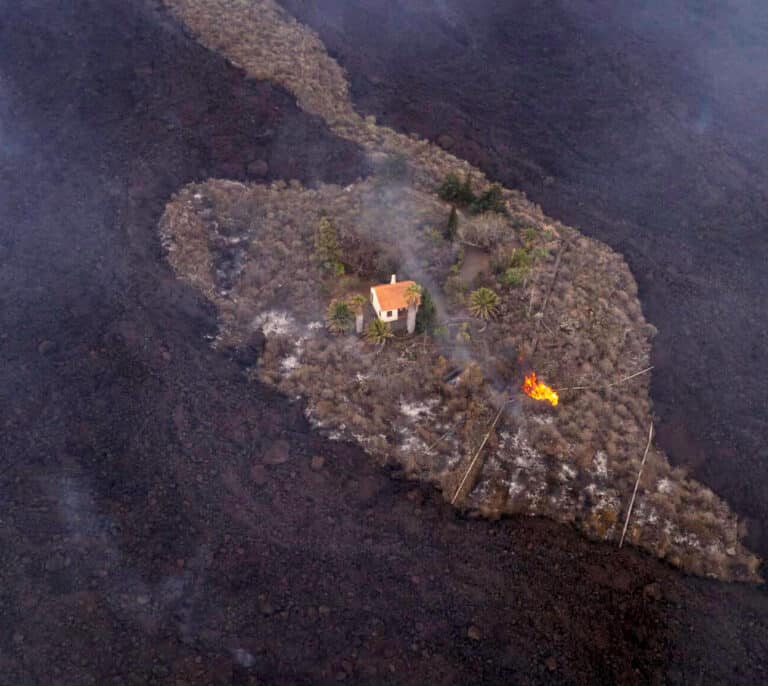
389,301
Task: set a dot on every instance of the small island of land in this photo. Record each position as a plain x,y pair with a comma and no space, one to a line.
501,292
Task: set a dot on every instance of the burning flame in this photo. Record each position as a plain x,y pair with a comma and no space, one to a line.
539,391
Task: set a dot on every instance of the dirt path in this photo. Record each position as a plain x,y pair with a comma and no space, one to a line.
161,520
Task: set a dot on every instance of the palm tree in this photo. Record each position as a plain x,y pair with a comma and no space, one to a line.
338,317
357,304
484,303
378,332
413,298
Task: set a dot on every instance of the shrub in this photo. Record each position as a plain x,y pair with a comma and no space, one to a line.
500,261
441,332
520,258
491,200
463,335
327,248
427,314
485,230
455,288
339,317
515,276
378,332
530,234
484,303
456,191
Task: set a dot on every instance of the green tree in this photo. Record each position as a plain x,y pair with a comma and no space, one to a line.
484,303
378,332
413,298
491,200
452,227
427,314
457,191
327,248
339,317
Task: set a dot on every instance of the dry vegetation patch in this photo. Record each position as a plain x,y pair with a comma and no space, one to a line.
426,402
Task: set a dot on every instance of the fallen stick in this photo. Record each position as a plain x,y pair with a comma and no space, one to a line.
610,385
637,483
477,454
434,445
530,302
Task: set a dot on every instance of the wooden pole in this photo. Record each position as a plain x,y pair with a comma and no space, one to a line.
610,385
563,250
637,483
477,454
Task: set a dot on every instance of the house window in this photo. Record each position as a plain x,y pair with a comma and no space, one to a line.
390,313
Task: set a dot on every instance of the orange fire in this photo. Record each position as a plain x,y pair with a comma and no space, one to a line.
539,391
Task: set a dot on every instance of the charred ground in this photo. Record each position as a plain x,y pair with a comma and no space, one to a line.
151,530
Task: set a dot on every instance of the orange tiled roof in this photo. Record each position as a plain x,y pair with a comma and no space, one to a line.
391,296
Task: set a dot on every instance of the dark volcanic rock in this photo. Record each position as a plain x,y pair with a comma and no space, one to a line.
248,355
278,452
135,544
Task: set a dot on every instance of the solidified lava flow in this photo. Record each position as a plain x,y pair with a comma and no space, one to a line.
164,521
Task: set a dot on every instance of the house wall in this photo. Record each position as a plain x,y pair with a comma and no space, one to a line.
382,314
388,316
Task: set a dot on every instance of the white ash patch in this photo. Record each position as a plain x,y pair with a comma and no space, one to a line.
717,548
455,455
645,514
537,489
289,363
603,498
413,444
601,464
274,322
314,325
311,414
515,488
679,538
523,454
688,540
416,410
542,419
665,486
567,472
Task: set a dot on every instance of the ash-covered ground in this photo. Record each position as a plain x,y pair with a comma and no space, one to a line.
161,520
